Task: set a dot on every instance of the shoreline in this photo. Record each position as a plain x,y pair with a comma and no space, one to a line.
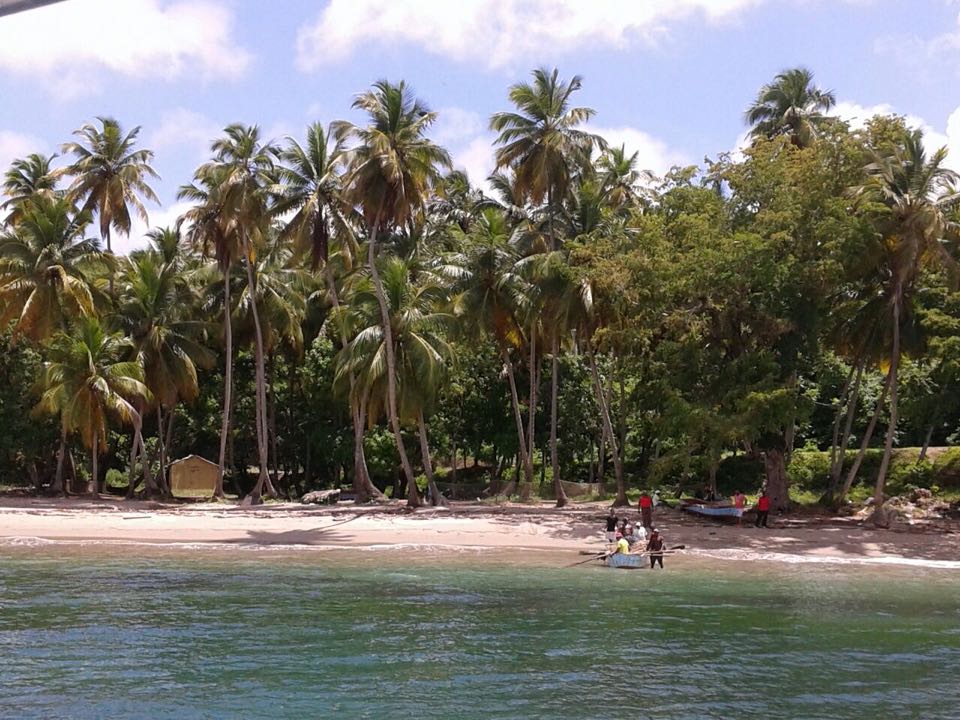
461,530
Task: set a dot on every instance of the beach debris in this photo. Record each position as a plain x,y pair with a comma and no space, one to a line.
321,497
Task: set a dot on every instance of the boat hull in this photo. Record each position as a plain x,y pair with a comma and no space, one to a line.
710,511
619,560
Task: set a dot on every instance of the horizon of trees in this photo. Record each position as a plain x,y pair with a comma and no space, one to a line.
346,307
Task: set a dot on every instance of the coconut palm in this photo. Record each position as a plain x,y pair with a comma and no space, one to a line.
154,311
311,187
391,170
418,330
233,217
621,180
543,146
46,268
908,194
791,106
27,179
87,383
110,175
490,296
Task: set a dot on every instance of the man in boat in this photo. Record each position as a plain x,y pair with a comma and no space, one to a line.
763,509
623,547
655,548
740,503
612,526
637,537
646,510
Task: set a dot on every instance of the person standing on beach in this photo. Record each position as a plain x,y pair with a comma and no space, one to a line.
655,548
763,509
646,510
740,503
612,526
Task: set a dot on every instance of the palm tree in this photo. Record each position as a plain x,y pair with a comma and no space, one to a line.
489,296
110,176
418,328
908,195
621,180
45,269
210,237
543,145
86,383
241,173
391,171
154,312
791,106
311,187
27,179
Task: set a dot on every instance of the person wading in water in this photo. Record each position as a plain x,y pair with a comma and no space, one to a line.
655,548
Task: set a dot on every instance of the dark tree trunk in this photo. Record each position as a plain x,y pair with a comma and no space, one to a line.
527,487
926,445
554,391
518,418
227,384
777,484
880,518
865,442
435,497
621,499
413,497
58,487
838,450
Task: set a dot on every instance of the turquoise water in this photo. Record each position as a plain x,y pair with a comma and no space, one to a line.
136,633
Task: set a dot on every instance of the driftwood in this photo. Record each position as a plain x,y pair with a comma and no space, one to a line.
321,497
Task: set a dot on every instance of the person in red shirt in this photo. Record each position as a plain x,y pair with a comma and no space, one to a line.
763,509
646,510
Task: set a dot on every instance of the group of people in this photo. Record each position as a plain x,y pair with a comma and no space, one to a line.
634,538
763,507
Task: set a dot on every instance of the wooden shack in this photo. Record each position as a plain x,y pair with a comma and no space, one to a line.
193,476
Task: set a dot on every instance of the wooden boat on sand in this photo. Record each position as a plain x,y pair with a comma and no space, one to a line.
712,510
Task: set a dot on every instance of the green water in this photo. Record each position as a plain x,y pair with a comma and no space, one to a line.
132,633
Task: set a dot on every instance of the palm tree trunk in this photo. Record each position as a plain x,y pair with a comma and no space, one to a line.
892,427
518,418
363,489
227,383
272,407
263,454
136,444
58,486
926,445
867,435
413,496
435,497
527,488
838,449
554,390
95,470
621,499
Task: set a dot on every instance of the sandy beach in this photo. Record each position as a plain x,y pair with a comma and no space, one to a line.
514,527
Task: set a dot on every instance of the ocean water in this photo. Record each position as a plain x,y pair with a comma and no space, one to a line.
135,632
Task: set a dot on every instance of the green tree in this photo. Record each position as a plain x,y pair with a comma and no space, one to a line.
391,171
86,382
27,179
791,106
907,193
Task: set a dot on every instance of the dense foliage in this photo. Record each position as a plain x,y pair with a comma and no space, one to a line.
347,309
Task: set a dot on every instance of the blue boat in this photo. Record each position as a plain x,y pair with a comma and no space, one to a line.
713,510
620,560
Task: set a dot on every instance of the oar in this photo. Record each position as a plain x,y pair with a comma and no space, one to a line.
590,559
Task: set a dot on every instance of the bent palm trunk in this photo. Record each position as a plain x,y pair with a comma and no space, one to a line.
227,383
554,458
435,497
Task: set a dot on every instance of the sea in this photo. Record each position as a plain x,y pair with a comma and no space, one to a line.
104,631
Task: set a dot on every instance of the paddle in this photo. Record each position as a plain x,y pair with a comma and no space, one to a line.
645,552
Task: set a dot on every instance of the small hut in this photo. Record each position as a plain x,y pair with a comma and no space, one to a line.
193,476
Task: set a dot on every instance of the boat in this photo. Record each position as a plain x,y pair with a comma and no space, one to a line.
621,560
713,510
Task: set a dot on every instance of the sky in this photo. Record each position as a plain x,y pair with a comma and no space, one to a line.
670,79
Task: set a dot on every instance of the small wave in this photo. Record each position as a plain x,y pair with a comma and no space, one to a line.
736,554
26,541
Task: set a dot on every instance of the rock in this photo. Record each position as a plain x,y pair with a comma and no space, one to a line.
919,494
321,497
884,516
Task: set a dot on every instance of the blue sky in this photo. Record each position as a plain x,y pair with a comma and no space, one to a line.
670,78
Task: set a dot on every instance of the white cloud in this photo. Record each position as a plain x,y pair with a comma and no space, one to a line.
476,158
14,145
138,229
184,128
924,53
69,45
496,33
653,154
